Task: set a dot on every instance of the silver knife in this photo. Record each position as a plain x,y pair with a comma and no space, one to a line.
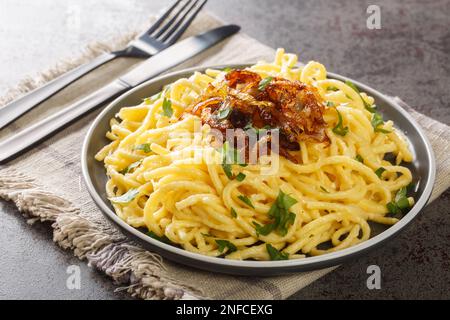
150,68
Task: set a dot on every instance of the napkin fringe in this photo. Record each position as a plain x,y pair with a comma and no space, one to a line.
139,272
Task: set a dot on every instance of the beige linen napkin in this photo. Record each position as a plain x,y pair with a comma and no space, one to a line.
45,184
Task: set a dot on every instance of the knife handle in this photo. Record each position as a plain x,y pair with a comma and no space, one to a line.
18,107
26,138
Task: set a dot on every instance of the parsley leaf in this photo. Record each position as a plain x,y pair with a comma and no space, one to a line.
352,85
224,113
280,214
330,104
377,120
400,202
264,230
225,244
359,158
381,130
380,171
264,82
332,88
153,98
167,107
284,200
231,156
246,200
339,128
156,96
401,199
226,69
411,187
227,169
131,167
233,213
240,177
126,197
275,254
145,147
370,108
393,208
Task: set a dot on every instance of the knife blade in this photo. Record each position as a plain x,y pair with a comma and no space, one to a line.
150,68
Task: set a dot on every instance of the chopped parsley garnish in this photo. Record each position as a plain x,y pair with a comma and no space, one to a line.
400,202
280,214
156,96
379,171
224,113
411,187
359,158
227,169
246,200
352,85
227,69
167,107
392,208
240,177
275,254
377,121
233,213
264,82
370,108
131,167
145,147
324,190
164,239
231,156
332,88
222,244
126,197
263,229
153,98
330,104
339,128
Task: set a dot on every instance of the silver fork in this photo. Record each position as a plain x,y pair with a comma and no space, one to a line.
158,37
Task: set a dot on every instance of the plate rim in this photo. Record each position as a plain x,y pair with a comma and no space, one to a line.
275,267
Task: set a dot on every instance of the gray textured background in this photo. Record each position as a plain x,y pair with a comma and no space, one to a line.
408,57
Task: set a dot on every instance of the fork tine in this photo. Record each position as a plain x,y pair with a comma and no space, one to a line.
160,20
173,34
171,21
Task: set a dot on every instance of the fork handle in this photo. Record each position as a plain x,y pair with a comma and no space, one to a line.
18,107
26,138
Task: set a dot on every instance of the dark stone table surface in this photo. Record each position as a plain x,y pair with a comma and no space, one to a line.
409,57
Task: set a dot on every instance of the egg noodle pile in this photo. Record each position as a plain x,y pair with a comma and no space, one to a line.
165,178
